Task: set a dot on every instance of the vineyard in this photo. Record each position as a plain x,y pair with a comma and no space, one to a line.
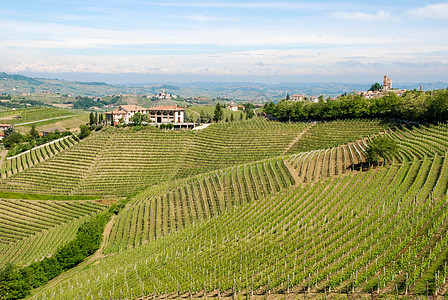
379,231
32,157
200,197
245,208
32,114
31,230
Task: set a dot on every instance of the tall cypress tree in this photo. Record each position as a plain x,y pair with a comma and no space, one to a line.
91,119
218,113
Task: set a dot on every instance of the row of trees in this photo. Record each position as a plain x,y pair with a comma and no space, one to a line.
218,114
17,143
96,118
16,283
413,106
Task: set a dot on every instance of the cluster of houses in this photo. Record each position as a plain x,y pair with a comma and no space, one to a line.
387,88
303,98
168,114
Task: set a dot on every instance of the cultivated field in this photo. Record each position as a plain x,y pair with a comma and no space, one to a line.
31,230
249,207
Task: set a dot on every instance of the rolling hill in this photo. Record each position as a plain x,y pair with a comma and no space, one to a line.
251,207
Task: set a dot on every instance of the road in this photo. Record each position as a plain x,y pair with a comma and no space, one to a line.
38,121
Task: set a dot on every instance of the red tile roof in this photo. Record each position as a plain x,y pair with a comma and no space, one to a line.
167,107
132,107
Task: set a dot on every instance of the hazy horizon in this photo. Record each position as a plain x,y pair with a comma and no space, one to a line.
252,41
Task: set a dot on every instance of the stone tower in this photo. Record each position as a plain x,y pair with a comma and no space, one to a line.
387,83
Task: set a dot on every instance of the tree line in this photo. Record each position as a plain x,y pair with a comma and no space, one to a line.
17,143
17,282
412,106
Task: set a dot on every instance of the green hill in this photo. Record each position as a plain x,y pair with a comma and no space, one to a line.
251,207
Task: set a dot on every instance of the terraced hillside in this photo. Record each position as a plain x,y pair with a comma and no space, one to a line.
237,209
120,162
332,134
32,157
198,198
383,230
31,230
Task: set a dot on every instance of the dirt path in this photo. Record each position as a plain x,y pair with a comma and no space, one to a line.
91,259
293,173
297,138
193,111
106,233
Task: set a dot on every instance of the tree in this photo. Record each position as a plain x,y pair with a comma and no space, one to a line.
231,117
8,131
13,139
241,116
33,132
376,87
139,118
380,147
91,119
85,131
100,118
218,115
96,118
287,97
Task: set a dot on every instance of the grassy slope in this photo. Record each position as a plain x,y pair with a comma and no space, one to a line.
195,110
317,236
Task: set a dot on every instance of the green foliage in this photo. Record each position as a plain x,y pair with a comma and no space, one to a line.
205,117
166,126
218,114
16,283
381,147
249,109
139,118
33,132
13,139
376,87
85,132
91,119
414,106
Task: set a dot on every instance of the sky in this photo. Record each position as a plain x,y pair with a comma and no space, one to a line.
260,41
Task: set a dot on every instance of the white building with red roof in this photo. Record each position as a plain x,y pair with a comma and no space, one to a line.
124,113
166,114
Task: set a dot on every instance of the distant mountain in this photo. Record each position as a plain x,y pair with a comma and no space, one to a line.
236,91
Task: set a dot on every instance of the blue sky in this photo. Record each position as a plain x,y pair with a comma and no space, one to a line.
294,41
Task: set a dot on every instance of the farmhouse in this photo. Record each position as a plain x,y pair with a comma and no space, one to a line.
124,113
298,97
5,126
235,107
52,130
166,114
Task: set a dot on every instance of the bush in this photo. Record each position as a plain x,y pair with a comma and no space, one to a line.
16,283
166,126
85,132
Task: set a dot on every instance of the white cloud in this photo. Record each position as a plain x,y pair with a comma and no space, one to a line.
434,11
360,16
